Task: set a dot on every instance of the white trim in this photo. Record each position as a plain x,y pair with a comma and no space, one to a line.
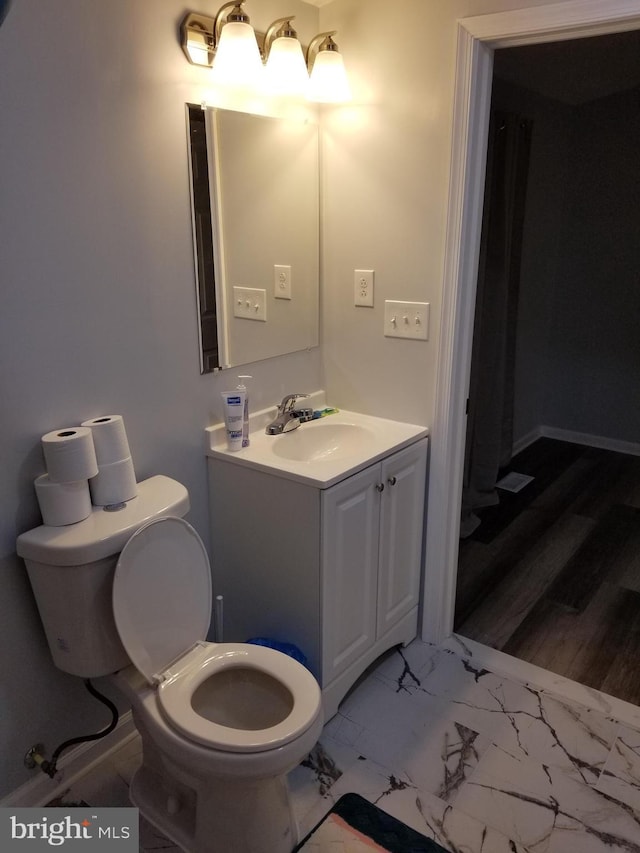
632,448
555,22
476,38
471,107
40,790
599,441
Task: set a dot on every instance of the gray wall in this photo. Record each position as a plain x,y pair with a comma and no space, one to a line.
593,339
578,357
98,311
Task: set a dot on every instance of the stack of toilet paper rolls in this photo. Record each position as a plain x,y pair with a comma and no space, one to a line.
63,492
86,465
115,481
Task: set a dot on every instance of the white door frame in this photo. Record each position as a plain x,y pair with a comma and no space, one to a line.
477,39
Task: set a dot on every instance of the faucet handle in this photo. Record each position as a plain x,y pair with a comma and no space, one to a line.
303,415
288,402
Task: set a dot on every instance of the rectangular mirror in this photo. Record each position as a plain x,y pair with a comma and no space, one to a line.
256,242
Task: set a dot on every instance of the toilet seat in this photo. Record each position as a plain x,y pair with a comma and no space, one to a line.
162,610
162,594
209,661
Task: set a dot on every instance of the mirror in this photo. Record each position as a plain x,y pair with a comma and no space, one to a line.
255,215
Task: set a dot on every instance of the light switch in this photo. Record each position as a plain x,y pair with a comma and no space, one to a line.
363,287
406,320
250,303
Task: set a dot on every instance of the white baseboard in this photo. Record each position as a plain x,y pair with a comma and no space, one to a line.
74,764
602,442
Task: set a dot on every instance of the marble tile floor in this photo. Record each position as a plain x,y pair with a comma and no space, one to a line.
479,762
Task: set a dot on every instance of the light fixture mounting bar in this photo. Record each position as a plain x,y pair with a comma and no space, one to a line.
198,42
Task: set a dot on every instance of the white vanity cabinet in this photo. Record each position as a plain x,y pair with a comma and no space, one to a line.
335,571
371,553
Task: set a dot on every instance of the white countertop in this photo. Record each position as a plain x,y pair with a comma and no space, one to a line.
328,449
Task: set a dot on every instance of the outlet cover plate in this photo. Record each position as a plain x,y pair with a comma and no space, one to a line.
282,281
363,288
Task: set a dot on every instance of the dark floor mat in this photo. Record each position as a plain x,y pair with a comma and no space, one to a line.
354,818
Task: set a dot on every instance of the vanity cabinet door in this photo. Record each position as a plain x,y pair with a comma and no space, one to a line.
350,516
401,524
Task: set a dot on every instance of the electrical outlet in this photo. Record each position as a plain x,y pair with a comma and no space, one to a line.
250,303
282,281
406,320
363,287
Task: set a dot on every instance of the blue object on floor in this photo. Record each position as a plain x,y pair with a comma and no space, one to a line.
286,648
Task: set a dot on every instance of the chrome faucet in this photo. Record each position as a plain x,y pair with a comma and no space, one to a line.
288,417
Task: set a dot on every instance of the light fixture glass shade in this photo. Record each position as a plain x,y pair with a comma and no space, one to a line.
237,63
286,72
328,82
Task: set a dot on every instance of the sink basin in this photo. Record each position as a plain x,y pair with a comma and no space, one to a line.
323,442
320,453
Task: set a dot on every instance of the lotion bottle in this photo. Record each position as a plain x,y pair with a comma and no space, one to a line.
242,388
233,417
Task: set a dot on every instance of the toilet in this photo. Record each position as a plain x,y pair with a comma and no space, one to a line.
126,593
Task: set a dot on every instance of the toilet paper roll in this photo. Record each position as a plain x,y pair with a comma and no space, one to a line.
62,503
114,483
109,439
69,454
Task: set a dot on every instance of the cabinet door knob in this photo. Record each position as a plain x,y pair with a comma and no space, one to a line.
392,481
380,487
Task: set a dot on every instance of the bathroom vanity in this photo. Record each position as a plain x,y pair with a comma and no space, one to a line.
317,540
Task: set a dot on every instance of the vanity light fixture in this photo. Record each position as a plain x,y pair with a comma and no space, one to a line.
229,45
328,79
286,70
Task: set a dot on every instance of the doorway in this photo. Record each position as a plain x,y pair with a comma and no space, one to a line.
548,565
477,39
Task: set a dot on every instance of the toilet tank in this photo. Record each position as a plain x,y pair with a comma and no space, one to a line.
71,571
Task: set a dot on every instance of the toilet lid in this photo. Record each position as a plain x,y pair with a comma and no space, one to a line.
162,594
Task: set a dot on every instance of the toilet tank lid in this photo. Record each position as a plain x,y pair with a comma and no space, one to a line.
104,533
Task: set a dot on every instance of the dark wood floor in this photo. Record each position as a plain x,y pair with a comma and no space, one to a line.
552,574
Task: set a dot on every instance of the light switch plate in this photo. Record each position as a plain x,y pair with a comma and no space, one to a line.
363,287
250,303
282,281
406,320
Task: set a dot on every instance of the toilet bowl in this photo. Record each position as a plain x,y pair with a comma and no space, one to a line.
239,698
228,721
211,800
206,797
221,723
270,756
